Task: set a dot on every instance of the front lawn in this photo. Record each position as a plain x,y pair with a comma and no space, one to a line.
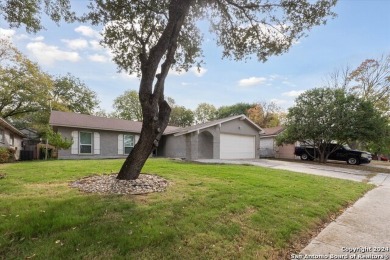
208,212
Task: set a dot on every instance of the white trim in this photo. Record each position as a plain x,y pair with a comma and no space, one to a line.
75,144
96,143
120,144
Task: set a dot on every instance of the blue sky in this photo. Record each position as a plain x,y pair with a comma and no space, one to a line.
360,31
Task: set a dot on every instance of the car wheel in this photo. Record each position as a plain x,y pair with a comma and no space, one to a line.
353,161
304,157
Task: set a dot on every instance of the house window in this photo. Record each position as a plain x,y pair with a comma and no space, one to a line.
128,141
1,135
85,142
11,140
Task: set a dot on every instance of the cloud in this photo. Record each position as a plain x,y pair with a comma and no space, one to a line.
98,58
6,33
198,72
76,44
278,101
38,39
252,81
95,45
87,31
293,93
48,54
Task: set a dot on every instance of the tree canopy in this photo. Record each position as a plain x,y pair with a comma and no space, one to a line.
127,106
69,93
181,116
24,88
371,81
29,13
204,113
26,92
323,116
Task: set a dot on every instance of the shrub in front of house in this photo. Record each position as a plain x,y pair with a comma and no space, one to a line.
7,155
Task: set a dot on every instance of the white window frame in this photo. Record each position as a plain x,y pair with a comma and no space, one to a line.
124,143
80,144
11,139
2,135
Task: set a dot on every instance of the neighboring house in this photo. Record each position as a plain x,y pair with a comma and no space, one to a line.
10,137
30,144
98,137
235,137
268,147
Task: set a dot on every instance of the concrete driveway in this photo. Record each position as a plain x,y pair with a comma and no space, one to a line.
362,231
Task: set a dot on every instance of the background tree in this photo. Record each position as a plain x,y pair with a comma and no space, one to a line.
265,114
29,13
322,116
127,106
69,93
233,110
181,116
146,35
24,88
204,112
371,81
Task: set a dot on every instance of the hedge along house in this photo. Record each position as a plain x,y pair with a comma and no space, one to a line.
10,137
97,137
234,137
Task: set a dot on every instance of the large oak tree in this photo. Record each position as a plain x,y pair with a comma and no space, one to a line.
151,37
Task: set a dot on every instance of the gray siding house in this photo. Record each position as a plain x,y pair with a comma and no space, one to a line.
96,137
10,137
234,137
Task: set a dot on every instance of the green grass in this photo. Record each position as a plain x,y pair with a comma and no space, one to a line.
208,212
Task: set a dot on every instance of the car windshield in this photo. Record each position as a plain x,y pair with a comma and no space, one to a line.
346,147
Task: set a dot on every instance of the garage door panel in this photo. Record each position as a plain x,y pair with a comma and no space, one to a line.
237,146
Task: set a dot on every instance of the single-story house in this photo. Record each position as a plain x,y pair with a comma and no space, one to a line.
269,148
235,137
10,137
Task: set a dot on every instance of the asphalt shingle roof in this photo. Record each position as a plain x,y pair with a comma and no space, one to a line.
273,130
70,119
10,127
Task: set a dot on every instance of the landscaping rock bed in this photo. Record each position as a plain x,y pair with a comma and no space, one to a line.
108,184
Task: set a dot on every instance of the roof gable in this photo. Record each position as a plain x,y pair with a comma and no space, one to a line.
190,129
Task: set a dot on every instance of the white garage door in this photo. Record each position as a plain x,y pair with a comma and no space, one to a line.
237,146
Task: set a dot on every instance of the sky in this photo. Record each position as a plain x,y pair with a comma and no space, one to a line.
360,31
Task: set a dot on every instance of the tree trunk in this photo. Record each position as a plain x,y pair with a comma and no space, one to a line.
155,109
151,133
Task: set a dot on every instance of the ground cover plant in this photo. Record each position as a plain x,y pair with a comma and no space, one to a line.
208,212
